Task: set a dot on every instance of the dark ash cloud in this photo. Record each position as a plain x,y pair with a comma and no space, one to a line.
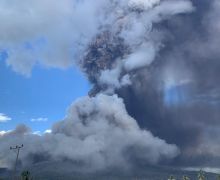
154,66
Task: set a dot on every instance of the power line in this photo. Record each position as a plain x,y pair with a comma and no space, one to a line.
16,148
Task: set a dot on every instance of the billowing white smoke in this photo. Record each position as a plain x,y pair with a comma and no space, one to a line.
97,131
138,32
54,33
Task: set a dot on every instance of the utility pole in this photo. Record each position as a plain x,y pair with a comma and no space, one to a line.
17,149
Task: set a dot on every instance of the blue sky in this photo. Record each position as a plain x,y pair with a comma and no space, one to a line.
46,94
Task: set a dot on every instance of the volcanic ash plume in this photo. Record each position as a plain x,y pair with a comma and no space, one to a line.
96,133
128,43
131,53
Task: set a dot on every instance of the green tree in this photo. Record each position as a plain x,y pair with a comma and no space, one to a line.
201,175
218,177
186,178
171,178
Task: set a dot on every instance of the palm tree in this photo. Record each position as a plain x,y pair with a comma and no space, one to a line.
171,178
201,175
186,178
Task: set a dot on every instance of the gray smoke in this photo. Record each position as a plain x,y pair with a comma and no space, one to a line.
154,67
179,93
173,80
97,134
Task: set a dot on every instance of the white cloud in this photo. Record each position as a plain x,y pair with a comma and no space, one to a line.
37,133
4,132
41,119
48,131
53,30
40,133
4,118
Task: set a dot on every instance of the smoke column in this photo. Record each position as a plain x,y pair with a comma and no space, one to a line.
152,96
